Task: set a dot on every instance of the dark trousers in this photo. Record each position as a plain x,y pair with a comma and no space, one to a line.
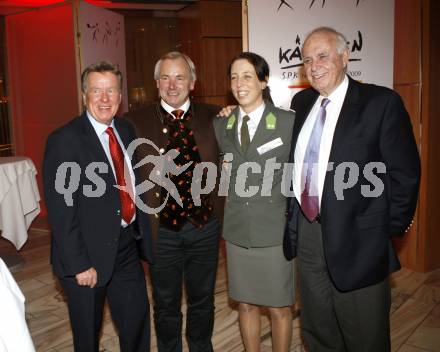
127,298
189,256
354,321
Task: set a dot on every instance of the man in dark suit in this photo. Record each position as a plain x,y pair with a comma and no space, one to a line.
362,191
186,235
96,228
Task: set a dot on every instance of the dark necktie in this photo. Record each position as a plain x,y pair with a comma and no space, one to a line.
127,205
310,195
244,133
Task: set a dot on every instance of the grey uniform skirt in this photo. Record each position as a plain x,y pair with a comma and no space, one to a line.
260,276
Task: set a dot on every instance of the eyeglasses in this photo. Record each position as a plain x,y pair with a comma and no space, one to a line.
97,92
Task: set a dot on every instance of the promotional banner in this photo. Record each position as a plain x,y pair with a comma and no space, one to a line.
277,29
103,38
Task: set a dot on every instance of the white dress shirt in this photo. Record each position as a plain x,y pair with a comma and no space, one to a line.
169,109
254,120
100,129
332,114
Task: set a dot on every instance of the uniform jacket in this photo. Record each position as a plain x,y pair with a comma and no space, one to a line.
258,220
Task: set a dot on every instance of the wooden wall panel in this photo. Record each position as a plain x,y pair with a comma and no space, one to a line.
407,82
220,19
431,129
416,77
410,253
217,54
210,33
407,41
190,39
147,39
217,100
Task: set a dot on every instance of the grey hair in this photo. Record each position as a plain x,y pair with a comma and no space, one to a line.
101,67
174,55
341,40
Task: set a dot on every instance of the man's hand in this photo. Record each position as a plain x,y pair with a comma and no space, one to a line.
226,111
87,278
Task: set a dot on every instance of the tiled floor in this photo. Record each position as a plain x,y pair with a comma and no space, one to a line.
415,313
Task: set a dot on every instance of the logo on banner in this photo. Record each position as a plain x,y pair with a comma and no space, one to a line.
290,61
103,33
284,3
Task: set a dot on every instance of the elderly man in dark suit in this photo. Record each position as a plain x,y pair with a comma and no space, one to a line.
186,234
356,182
96,227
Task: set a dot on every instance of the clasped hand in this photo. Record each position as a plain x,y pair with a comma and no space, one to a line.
87,278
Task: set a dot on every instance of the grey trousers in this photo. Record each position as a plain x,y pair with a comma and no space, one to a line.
354,321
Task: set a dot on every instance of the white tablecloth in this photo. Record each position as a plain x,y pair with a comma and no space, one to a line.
19,198
14,333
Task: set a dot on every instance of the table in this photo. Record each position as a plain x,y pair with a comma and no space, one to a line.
19,198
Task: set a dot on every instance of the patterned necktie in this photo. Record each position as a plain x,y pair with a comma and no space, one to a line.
178,114
310,195
127,205
181,138
244,133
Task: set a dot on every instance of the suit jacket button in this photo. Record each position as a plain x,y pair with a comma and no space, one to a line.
118,212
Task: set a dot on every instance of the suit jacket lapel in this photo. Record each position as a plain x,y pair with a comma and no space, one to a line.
347,116
91,140
123,133
94,147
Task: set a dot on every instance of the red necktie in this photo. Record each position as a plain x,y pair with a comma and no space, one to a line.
127,205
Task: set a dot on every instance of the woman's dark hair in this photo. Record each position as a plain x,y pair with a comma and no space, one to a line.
261,69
